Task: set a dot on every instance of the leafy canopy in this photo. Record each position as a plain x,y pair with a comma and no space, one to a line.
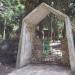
10,16
12,9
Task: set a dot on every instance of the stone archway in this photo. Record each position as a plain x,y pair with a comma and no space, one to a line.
27,33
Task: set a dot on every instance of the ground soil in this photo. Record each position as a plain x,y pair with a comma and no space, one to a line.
7,62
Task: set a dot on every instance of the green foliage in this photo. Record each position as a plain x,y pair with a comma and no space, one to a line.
46,45
60,25
12,12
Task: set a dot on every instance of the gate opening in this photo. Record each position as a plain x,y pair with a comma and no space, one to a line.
50,42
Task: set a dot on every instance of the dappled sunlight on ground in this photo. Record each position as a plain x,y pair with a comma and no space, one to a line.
42,70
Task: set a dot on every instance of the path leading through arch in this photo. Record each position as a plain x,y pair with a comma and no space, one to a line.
42,70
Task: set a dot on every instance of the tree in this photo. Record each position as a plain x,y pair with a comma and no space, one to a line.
11,15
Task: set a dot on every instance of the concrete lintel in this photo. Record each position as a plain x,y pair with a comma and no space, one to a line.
40,12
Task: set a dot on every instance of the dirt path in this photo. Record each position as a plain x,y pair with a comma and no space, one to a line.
42,70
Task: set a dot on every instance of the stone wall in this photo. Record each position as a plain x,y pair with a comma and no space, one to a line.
39,57
37,50
65,52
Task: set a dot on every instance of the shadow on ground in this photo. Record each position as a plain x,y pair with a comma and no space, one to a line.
8,53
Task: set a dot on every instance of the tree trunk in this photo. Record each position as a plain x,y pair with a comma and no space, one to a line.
4,33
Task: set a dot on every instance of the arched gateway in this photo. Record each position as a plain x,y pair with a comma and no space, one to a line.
27,33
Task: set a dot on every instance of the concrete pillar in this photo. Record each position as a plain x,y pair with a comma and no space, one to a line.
70,43
25,47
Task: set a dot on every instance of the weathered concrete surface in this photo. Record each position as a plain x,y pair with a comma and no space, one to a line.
70,43
41,70
25,49
25,45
